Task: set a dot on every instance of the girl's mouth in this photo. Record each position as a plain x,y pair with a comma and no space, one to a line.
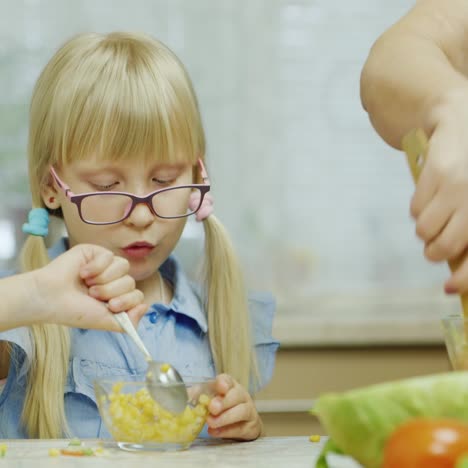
138,249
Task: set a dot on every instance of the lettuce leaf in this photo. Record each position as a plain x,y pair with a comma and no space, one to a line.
360,421
462,462
329,447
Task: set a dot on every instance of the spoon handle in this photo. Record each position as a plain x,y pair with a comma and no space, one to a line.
127,326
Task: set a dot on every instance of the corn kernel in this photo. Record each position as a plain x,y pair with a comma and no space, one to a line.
187,415
117,387
204,399
99,451
165,367
53,452
314,438
200,410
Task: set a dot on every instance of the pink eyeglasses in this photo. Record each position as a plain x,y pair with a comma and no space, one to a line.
113,207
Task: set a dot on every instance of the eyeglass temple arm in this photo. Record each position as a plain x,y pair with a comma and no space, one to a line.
204,174
61,184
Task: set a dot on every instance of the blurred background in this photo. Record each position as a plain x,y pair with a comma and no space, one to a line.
317,204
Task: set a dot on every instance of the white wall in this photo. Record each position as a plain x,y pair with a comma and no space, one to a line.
316,203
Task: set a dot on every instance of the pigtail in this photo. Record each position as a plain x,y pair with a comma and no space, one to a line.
43,413
226,301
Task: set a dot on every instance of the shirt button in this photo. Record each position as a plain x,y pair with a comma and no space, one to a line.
153,317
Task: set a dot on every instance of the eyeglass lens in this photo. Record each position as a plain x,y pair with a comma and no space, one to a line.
108,207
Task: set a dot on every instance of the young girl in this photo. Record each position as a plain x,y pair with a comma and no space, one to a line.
117,148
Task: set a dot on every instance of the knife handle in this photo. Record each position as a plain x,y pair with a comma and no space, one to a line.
415,144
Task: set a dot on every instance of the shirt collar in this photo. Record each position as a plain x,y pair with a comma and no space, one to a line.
187,297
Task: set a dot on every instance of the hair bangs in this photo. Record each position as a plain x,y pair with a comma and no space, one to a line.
127,100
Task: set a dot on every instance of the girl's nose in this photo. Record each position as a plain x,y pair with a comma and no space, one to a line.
141,216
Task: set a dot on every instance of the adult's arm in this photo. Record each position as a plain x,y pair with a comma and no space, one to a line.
80,288
416,69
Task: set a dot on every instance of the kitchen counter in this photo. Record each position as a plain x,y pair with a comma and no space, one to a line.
267,452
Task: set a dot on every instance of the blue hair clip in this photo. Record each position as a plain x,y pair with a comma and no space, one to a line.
38,222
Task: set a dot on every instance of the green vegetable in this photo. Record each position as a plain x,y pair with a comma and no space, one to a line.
329,447
360,421
75,442
462,462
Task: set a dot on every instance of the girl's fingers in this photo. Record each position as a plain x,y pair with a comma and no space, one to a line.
241,412
224,382
232,413
235,396
225,385
239,431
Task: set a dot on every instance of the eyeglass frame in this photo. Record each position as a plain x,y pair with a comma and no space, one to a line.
77,198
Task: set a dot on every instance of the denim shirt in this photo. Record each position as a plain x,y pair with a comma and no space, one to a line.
175,333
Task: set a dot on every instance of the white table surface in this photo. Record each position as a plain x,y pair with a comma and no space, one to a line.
267,452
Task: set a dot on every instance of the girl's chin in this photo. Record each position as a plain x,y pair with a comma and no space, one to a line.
142,274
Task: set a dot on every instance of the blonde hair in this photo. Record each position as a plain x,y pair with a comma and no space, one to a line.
120,96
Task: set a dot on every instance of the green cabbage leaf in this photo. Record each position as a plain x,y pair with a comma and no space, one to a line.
360,421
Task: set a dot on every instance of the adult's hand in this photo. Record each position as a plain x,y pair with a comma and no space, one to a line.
84,286
440,202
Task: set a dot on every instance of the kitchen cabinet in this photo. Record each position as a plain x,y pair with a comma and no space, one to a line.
303,373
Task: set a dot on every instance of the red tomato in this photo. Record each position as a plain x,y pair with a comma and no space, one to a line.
426,443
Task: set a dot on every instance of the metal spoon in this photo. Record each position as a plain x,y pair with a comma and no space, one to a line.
164,383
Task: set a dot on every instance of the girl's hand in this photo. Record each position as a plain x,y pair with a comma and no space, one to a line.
73,289
440,202
232,413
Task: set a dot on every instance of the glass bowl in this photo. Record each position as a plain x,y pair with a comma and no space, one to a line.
137,422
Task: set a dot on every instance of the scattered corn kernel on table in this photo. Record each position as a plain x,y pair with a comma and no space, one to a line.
268,452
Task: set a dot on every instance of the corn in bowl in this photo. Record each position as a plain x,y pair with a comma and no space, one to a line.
137,422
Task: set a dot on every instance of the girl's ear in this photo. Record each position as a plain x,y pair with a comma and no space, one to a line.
49,195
